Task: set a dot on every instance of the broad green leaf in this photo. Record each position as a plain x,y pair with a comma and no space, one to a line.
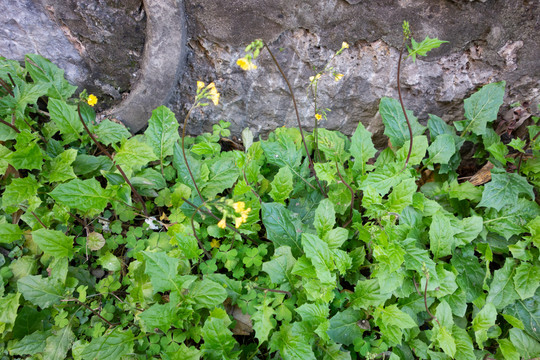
60,167
391,320
395,125
482,322
281,228
470,228
40,291
401,196
438,126
501,290
527,347
223,175
313,314
29,157
336,237
499,151
441,150
207,294
162,270
511,219
470,274
508,349
108,132
340,196
109,262
218,339
420,145
282,185
344,328
441,236
291,344
10,233
384,178
88,164
42,70
326,172
282,153
111,346
183,173
134,153
334,352
526,280
332,144
416,259
31,344
8,311
443,313
464,345
423,47
446,342
482,107
53,242
362,148
4,152
280,267
504,189
186,243
514,321
325,217
465,191
183,353
319,253
87,196
158,316
162,132
58,344
263,322
66,119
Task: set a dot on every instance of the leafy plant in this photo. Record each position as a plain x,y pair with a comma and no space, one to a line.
165,246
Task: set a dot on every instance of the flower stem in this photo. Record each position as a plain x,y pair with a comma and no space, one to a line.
184,151
403,108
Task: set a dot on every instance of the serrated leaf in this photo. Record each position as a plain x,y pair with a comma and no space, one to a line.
29,157
8,311
362,148
10,233
401,196
441,236
508,349
325,217
31,344
282,185
446,342
60,167
391,320
58,344
218,339
158,316
367,293
280,267
207,294
66,119
504,189
162,132
482,322
384,178
223,175
423,47
470,228
263,322
290,344
512,219
134,153
111,346
281,229
441,150
162,270
482,107
465,191
40,291
502,291
344,328
464,345
332,144
395,125
42,70
53,242
526,280
108,132
87,196
319,253
527,347
420,145
438,126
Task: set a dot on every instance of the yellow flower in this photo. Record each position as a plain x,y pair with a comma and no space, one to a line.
238,222
245,64
243,217
213,93
318,116
344,45
214,243
222,224
239,206
200,85
92,100
337,76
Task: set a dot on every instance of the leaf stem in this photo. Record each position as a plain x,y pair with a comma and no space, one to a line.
184,150
208,256
92,310
352,194
403,108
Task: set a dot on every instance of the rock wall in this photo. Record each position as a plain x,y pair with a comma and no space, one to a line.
489,40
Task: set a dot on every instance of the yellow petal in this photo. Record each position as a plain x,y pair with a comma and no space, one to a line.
318,116
222,224
344,45
92,100
239,206
200,85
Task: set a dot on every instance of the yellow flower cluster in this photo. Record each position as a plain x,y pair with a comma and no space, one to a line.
209,92
246,64
344,45
337,76
92,100
240,208
318,116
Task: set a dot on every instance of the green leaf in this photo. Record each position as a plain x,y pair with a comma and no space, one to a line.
526,280
134,153
332,144
207,294
66,119
291,344
441,236
280,227
334,352
10,233
109,262
470,228
367,293
184,353
223,175
527,347
391,320
31,344
42,70
395,125
514,321
325,218
53,242
218,339
508,349
362,148
60,167
512,219
162,132
162,270
438,126
422,48
384,178
344,326
29,157
401,196
441,150
280,267
8,311
319,253
464,345
420,145
446,342
4,152
158,316
470,274
504,189
40,291
111,346
108,132
87,196
502,291
263,322
465,191
482,322
58,344
482,107
282,185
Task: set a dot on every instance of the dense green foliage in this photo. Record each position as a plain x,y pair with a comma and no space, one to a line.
379,264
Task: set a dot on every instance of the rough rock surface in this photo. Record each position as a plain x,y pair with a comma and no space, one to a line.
488,41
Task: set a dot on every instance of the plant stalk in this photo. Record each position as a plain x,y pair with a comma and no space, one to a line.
403,108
